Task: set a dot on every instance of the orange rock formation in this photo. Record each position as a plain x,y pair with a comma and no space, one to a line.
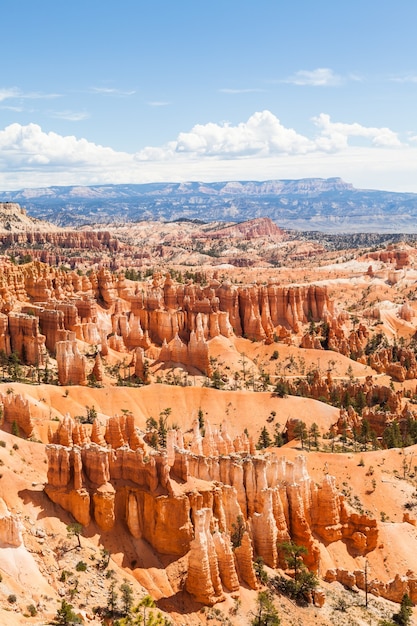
276,499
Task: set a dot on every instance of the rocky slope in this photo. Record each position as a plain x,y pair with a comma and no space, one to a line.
14,219
145,409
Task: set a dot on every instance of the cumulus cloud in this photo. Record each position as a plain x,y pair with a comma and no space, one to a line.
22,146
334,136
263,134
261,147
320,77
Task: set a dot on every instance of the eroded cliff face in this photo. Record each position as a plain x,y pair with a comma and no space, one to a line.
10,527
393,590
167,309
190,501
16,409
40,305
60,238
398,258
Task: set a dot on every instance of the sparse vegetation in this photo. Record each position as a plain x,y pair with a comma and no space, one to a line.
238,530
75,530
266,614
81,566
65,616
183,319
300,586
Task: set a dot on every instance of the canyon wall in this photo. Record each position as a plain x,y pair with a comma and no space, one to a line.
111,476
39,304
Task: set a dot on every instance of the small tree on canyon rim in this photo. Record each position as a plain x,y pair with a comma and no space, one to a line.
300,431
266,613
75,530
264,440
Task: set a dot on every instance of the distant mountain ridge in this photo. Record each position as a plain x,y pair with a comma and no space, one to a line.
328,205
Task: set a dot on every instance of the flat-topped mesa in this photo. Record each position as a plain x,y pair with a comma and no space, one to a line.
10,208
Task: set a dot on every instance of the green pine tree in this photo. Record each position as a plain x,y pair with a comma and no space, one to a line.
65,616
264,440
266,613
403,617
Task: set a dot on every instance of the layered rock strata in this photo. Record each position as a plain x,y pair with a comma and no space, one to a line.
38,303
158,500
72,365
393,590
16,410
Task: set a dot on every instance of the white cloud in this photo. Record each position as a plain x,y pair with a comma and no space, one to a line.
21,146
8,93
259,148
110,91
36,95
407,78
320,77
158,103
16,109
71,116
334,135
13,93
238,91
263,134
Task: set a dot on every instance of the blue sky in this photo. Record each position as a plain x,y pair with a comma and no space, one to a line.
101,91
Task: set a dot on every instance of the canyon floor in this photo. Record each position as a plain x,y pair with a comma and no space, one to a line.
159,381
